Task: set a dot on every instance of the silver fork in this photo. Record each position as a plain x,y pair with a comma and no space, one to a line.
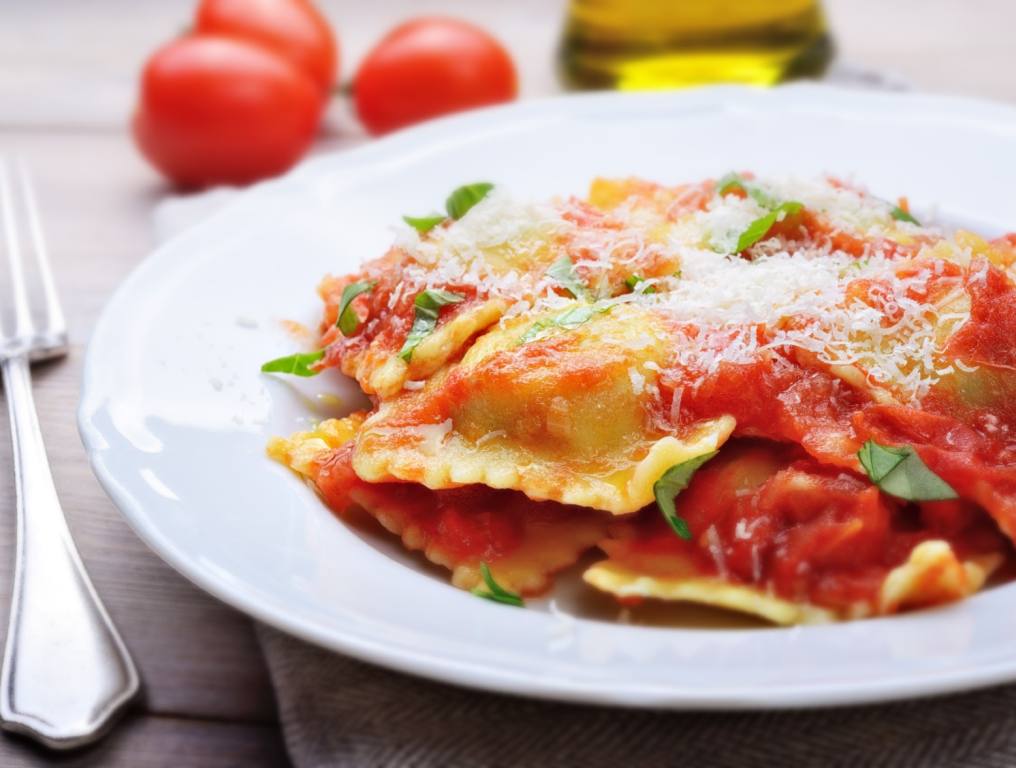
66,672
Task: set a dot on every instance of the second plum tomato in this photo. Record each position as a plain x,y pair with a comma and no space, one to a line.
428,67
216,110
293,29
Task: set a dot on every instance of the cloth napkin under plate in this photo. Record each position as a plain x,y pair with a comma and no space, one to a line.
338,712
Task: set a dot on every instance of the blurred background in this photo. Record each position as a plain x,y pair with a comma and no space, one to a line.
78,60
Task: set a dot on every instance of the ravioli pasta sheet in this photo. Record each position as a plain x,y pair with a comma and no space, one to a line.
523,542
567,417
786,398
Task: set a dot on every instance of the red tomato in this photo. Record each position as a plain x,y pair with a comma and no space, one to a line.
294,29
430,67
215,110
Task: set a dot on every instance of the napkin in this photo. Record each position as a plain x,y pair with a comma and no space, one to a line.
337,712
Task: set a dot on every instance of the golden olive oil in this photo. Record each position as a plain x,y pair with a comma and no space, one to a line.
644,44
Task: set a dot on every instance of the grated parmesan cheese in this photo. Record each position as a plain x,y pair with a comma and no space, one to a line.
789,294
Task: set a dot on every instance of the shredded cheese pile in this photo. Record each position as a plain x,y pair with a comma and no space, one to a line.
797,292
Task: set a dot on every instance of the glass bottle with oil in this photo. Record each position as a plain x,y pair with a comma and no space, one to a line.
643,44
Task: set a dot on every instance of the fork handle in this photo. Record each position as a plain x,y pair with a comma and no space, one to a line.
66,672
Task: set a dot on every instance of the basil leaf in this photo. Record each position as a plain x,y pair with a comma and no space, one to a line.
495,591
734,181
632,282
563,271
298,364
462,199
759,228
347,321
901,215
671,483
901,473
426,307
424,224
570,318
730,182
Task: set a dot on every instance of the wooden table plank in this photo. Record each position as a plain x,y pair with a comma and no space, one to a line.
198,657
161,742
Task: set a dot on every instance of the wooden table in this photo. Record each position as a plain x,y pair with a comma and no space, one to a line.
67,70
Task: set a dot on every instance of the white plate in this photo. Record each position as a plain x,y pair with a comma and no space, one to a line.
175,414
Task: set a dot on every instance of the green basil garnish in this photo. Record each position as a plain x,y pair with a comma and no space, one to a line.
735,181
495,591
759,228
671,483
730,182
570,318
901,215
563,271
465,197
632,282
458,204
427,305
424,224
347,321
297,365
901,473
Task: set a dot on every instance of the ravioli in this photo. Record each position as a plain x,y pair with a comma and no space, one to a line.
372,355
523,542
557,412
779,537
932,575
387,376
785,398
629,585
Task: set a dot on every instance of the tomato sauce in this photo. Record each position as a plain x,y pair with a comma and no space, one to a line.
775,398
471,524
817,228
989,336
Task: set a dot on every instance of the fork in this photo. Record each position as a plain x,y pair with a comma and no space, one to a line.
66,672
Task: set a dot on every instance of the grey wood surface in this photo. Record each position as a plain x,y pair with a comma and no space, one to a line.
67,71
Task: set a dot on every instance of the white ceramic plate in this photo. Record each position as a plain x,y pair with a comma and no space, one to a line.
175,414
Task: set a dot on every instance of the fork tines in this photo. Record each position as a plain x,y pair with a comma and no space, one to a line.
31,320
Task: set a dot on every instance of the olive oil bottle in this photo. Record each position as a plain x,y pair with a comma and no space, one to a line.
644,44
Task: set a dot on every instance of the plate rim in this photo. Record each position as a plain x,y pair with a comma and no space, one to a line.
488,677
